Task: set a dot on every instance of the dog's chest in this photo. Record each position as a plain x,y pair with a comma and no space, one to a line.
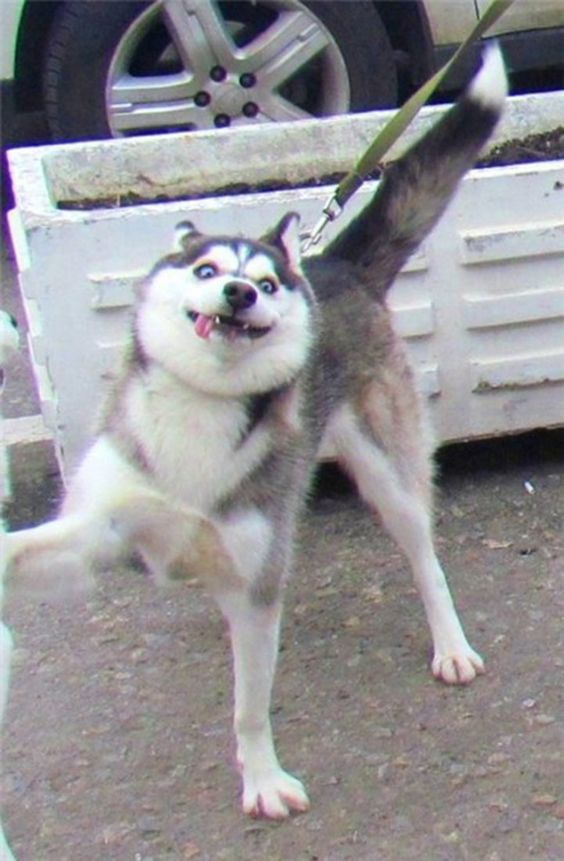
197,447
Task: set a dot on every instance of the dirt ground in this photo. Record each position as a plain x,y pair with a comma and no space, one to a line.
118,742
118,739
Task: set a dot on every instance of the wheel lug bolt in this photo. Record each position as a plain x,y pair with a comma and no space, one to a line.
221,121
202,99
247,80
250,109
218,73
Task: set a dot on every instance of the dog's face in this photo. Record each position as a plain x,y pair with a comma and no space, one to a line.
229,314
237,290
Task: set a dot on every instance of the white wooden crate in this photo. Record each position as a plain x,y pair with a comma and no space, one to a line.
481,305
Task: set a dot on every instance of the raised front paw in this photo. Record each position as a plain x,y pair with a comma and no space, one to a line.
273,794
457,666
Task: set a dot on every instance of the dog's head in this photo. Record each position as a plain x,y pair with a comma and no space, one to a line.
229,315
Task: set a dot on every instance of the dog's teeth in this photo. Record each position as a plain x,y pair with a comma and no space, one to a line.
217,319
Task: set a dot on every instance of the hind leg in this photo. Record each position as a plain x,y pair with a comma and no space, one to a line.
396,490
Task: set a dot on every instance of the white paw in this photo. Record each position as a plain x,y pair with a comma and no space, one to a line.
273,794
457,666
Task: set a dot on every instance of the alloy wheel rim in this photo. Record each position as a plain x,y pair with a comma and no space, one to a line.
207,73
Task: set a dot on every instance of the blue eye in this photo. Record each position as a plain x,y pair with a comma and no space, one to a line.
267,285
206,270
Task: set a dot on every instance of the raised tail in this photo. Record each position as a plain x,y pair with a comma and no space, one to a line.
416,189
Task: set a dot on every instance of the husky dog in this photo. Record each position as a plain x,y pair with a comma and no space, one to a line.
243,359
9,342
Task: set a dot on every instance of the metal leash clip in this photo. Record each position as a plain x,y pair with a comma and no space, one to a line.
331,211
387,136
372,157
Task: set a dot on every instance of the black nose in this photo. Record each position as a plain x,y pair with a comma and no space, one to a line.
239,295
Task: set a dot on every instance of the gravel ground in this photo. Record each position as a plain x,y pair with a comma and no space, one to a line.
117,742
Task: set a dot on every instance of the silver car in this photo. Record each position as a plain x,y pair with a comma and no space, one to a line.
102,68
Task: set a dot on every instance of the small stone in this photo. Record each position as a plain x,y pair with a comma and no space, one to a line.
381,732
498,758
115,833
300,609
122,602
139,655
498,804
373,594
149,827
493,544
480,771
544,719
543,799
382,771
452,837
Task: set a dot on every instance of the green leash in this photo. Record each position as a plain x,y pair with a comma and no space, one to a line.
372,156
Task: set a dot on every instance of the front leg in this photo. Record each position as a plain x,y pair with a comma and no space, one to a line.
231,555
267,789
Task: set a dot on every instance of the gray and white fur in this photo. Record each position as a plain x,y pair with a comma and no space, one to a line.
243,360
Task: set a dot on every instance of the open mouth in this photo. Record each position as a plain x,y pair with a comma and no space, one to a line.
230,327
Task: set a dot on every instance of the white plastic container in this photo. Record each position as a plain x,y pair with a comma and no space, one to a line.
481,305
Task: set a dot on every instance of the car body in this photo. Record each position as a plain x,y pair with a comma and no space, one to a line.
100,68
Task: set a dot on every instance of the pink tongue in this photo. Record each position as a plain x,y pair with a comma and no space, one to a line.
204,326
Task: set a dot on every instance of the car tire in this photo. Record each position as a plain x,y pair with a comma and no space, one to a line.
85,36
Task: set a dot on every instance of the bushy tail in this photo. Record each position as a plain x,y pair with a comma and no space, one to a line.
416,189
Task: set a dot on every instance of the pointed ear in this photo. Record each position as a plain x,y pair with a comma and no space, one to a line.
183,233
286,237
